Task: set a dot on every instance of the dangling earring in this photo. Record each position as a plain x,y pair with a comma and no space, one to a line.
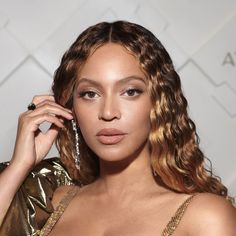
77,153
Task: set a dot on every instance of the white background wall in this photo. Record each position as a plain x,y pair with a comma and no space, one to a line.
200,36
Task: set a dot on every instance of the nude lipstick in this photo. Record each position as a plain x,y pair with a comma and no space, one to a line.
110,136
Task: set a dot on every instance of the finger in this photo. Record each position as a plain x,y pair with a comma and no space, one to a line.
36,121
52,110
39,98
48,102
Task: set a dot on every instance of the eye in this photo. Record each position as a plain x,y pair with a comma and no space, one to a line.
133,92
88,94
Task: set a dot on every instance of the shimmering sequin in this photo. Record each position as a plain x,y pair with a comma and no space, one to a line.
174,222
52,220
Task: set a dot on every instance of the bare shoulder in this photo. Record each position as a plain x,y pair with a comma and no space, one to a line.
210,214
59,193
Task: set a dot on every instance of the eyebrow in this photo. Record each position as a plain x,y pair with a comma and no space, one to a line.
119,82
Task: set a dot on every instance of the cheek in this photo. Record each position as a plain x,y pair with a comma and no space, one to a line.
82,113
84,119
87,128
138,116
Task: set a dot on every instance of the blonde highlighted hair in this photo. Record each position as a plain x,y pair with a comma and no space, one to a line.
174,144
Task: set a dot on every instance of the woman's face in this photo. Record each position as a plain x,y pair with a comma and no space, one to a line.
112,104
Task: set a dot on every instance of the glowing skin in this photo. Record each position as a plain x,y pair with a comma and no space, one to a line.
111,92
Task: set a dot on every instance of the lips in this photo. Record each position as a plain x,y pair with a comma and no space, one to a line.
110,136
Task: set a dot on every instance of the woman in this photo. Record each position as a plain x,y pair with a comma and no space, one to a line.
123,132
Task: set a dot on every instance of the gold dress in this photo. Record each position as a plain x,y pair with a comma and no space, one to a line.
55,216
31,206
31,212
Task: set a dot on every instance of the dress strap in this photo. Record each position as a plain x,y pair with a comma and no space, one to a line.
174,221
55,216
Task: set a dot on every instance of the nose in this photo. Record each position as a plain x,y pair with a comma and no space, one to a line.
109,109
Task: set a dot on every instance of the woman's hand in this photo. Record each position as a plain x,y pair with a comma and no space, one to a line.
32,145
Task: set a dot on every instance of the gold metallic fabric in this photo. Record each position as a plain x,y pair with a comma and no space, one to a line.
174,222
55,216
31,206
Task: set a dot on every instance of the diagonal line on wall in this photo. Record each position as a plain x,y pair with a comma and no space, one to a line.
61,25
183,65
20,64
40,66
210,79
14,70
17,39
222,107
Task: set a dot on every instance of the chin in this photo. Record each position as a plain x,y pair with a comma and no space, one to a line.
117,157
112,156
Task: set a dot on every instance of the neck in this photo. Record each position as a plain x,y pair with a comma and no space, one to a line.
127,177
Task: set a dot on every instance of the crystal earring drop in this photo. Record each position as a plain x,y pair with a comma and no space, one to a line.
77,153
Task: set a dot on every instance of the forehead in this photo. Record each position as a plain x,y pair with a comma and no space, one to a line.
111,61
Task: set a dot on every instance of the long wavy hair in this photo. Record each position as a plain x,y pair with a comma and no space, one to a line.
174,144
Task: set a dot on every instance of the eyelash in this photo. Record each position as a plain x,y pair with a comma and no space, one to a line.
84,93
133,90
137,91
